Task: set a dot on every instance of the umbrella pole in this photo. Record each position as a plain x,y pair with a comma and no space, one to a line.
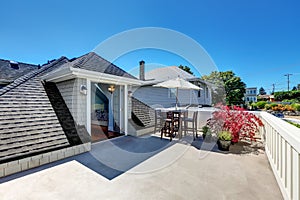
176,99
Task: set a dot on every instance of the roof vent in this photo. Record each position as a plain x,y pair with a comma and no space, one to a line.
14,64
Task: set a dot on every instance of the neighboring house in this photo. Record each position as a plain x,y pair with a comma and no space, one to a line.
11,70
54,112
164,97
250,95
266,97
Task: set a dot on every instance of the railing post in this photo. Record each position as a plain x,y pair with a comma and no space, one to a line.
295,175
283,175
280,155
289,171
282,144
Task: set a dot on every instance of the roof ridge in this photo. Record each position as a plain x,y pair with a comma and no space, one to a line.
77,61
92,54
88,57
28,76
18,62
113,64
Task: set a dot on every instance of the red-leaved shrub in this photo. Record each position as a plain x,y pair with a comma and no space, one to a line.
241,123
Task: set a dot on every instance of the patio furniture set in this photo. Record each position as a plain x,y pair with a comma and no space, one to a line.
171,123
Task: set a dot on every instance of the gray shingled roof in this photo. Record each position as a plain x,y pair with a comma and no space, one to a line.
166,73
9,74
94,62
28,123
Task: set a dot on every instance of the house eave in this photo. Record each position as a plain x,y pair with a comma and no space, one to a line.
104,78
71,73
59,76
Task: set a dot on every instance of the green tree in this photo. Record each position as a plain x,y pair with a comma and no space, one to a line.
186,68
294,88
262,91
280,96
227,87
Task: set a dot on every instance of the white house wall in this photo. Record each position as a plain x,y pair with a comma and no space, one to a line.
76,101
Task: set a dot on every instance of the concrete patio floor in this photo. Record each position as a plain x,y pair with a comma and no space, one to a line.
149,169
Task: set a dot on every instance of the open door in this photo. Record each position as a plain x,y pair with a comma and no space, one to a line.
99,114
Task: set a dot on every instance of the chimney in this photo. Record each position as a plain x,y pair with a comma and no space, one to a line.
142,70
14,64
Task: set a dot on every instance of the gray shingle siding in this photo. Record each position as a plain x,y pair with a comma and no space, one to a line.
76,102
66,89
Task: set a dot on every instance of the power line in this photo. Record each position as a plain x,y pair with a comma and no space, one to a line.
288,80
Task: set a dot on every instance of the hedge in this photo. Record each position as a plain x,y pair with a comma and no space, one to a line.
279,96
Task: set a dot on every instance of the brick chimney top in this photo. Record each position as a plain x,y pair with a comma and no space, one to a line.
142,70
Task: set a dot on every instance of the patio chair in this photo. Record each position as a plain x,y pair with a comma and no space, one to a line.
193,122
171,125
158,120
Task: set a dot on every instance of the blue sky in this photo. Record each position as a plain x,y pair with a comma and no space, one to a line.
259,40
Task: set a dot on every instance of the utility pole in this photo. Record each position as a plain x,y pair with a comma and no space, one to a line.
288,81
273,90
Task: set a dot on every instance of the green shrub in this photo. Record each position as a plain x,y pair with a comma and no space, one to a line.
205,129
268,106
261,104
225,135
296,106
254,106
273,105
291,100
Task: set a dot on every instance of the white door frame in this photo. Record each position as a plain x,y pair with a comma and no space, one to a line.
123,108
88,106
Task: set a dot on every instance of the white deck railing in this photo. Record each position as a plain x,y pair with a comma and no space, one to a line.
282,146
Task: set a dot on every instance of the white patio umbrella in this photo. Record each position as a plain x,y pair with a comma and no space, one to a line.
178,83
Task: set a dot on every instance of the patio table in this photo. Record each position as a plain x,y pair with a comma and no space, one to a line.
179,115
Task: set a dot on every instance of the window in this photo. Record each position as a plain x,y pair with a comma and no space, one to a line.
171,93
206,92
199,93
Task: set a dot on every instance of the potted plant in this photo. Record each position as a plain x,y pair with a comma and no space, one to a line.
224,140
206,134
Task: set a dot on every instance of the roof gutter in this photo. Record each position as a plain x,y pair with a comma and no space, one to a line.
59,75
104,78
71,73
